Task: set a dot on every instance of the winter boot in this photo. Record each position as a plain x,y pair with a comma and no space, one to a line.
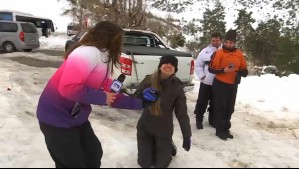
199,125
222,135
229,135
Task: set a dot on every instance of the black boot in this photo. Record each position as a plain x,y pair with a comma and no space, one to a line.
173,149
211,123
222,135
199,125
199,119
229,135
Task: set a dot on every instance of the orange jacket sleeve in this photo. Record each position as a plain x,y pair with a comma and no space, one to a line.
215,63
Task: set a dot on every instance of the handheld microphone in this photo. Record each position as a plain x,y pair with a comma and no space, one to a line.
115,87
117,83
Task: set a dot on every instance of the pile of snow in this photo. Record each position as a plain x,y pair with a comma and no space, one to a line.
56,42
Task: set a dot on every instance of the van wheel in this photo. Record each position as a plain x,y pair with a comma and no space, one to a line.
9,47
28,50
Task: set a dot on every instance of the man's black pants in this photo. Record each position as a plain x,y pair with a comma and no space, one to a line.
224,96
205,97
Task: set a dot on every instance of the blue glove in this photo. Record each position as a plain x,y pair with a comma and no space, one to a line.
149,94
187,143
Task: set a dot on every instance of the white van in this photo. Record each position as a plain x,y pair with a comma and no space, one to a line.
18,36
44,26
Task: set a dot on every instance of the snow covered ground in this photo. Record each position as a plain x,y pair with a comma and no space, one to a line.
265,122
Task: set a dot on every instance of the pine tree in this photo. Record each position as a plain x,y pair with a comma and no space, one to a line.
287,57
171,6
213,21
190,29
177,40
267,40
244,30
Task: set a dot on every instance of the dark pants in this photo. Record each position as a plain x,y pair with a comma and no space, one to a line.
153,151
205,97
76,147
224,96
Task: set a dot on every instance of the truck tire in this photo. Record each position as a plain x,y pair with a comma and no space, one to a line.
9,47
28,50
130,91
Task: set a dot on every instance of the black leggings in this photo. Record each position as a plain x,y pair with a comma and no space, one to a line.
76,147
153,151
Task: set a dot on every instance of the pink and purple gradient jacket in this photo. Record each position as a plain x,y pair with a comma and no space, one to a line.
81,78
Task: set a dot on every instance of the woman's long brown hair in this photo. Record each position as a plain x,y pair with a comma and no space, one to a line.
106,36
155,83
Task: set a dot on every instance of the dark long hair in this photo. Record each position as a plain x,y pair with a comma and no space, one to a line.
106,36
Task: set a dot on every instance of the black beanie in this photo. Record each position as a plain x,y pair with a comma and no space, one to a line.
231,35
169,59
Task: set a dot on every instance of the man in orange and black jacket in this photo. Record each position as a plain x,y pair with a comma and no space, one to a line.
229,65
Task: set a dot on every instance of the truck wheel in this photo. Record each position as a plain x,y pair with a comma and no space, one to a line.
28,50
9,47
130,91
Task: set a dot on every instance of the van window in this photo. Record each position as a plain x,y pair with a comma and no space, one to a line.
70,27
28,28
73,27
7,16
50,25
8,27
36,21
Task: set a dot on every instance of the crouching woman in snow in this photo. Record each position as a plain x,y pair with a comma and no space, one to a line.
155,126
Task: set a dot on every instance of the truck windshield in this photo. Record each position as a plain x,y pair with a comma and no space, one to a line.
135,39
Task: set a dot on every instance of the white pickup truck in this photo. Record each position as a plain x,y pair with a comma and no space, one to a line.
142,51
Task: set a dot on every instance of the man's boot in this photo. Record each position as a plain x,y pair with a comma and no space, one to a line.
229,135
199,119
222,135
199,125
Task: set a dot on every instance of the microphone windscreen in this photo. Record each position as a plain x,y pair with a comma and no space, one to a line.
121,78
